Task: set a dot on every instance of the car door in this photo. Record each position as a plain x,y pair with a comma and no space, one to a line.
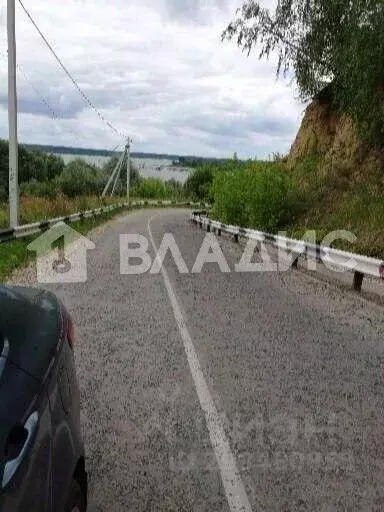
25,442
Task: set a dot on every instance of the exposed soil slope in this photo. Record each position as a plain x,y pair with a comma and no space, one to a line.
341,179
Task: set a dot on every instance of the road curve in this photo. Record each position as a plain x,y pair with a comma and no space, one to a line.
222,390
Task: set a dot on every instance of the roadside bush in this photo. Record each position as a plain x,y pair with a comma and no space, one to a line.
175,189
81,178
199,183
153,188
257,196
230,201
49,189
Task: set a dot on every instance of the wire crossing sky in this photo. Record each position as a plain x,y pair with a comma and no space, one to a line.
61,64
154,69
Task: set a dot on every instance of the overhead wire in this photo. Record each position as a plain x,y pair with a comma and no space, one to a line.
66,71
55,115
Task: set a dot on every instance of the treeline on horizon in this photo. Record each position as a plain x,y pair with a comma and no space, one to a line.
186,160
65,150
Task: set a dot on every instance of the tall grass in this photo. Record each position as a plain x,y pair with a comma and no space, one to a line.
155,188
15,254
33,209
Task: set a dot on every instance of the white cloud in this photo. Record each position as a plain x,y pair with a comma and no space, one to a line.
157,69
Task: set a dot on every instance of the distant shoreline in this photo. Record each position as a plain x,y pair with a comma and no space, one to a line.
177,160
64,150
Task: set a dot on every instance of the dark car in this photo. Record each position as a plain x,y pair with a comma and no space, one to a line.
42,466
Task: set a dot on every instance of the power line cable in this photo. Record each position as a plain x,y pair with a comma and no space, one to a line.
85,97
55,115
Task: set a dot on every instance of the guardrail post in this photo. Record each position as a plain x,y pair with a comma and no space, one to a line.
357,281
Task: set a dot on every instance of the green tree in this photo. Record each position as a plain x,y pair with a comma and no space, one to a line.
338,44
34,166
81,178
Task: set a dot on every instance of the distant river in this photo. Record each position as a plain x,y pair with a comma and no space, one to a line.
148,167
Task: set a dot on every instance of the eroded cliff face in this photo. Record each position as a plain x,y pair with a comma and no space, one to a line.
333,136
338,178
325,132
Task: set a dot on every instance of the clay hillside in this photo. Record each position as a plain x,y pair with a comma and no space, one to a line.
340,177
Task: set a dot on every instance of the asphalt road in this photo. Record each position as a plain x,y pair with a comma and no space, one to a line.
225,391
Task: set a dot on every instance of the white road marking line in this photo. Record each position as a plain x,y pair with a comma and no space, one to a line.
233,485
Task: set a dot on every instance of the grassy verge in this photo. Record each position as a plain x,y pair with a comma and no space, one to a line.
15,254
33,209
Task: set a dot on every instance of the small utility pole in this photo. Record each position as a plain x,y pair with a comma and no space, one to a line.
128,151
12,118
116,170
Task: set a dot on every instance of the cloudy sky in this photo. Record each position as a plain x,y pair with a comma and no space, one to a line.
156,69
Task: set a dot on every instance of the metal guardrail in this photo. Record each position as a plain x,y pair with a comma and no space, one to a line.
7,235
360,265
